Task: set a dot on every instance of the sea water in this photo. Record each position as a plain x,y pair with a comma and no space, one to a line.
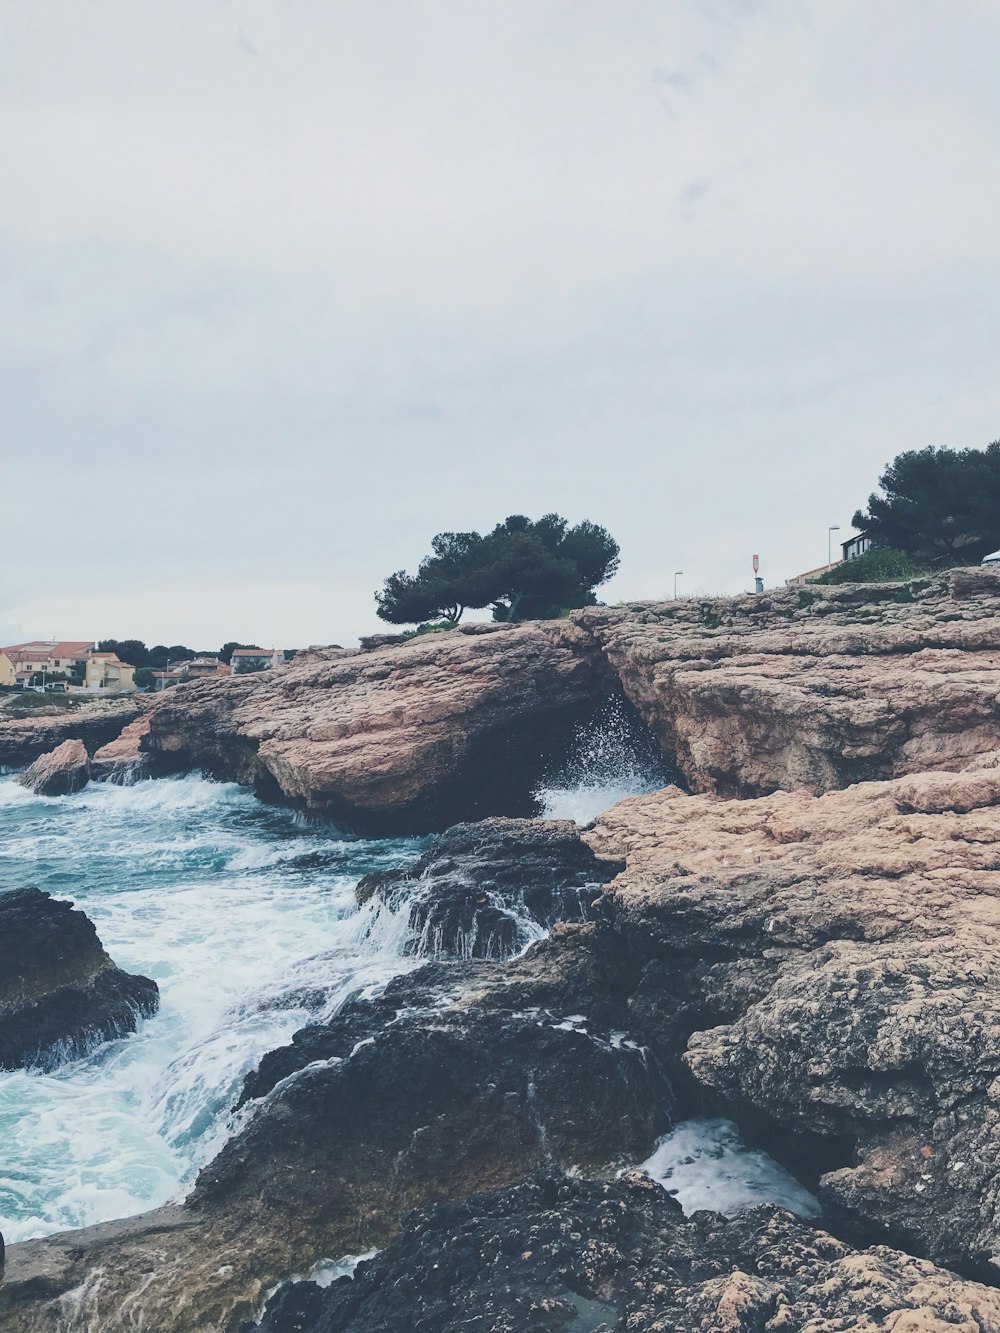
243,914
246,917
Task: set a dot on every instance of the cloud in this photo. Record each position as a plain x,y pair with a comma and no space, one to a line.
692,192
270,324
673,78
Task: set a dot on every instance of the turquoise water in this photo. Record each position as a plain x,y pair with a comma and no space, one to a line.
246,918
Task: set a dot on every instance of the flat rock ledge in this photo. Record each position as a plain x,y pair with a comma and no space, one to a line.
63,770
60,993
556,1254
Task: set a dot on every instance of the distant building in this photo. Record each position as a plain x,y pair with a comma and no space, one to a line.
8,672
245,660
105,673
197,668
856,545
850,550
50,655
68,665
810,576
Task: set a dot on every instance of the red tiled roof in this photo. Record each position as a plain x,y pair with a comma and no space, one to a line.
39,647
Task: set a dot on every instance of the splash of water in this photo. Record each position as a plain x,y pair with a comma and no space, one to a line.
705,1164
611,756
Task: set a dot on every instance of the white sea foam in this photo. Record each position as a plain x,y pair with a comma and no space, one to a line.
705,1164
609,758
197,885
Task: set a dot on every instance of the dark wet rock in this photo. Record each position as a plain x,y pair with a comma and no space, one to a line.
460,1077
61,771
483,890
558,1255
60,993
419,1093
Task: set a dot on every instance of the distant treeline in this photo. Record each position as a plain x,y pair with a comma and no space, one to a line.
162,655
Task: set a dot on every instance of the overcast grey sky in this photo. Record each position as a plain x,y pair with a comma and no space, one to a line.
289,287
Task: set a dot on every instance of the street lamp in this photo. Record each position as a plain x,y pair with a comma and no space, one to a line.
834,527
677,572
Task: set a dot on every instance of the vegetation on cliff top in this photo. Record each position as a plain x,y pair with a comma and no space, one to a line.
939,506
880,565
524,569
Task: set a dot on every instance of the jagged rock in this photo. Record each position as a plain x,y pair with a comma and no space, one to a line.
24,739
410,738
829,969
561,1254
448,1090
63,770
122,759
813,687
427,1095
60,993
483,890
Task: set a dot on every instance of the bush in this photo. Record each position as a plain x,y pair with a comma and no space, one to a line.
883,565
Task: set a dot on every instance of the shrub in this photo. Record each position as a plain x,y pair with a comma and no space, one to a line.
882,565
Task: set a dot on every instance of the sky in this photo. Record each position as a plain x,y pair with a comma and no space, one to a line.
287,288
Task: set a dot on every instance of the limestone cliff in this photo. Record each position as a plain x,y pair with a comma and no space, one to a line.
814,687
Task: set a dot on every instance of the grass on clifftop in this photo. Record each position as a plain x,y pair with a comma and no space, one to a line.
879,566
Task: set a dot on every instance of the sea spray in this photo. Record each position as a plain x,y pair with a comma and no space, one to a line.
611,756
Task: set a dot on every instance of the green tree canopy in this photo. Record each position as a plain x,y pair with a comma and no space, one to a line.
525,569
937,504
132,651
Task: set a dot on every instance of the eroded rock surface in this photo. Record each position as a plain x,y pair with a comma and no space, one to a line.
811,688
486,890
24,739
407,738
60,993
832,967
814,687
555,1254
63,770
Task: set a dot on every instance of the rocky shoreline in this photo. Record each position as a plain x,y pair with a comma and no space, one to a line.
807,944
60,993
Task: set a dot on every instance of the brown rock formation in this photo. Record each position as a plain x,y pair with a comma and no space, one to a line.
63,770
24,739
810,688
442,728
814,687
122,758
832,965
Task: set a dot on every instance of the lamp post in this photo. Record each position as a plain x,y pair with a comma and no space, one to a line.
677,572
834,527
